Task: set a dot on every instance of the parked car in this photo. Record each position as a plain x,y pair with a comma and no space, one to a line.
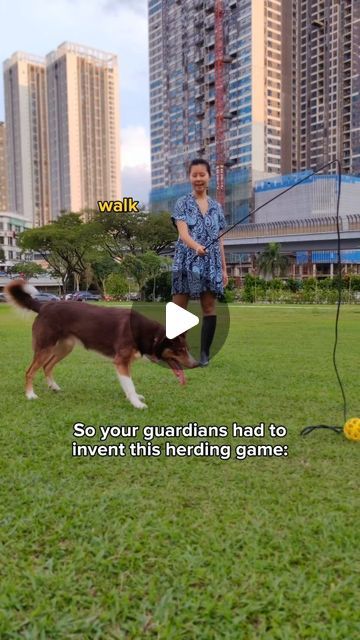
85,295
46,297
133,296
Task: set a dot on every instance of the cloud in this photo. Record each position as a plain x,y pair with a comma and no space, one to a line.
135,162
136,182
135,147
115,6
116,26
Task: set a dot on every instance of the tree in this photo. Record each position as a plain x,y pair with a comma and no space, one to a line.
103,266
64,244
163,287
121,232
27,269
115,285
143,267
158,232
253,287
153,267
124,233
271,263
88,275
134,267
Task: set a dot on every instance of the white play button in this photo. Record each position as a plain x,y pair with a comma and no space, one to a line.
178,320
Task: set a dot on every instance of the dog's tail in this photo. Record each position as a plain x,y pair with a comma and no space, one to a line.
19,293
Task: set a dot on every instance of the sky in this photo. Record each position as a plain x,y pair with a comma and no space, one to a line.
115,26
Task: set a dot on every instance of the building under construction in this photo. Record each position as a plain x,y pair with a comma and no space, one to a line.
326,84
257,88
215,92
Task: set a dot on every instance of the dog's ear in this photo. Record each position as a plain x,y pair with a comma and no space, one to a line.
159,339
159,336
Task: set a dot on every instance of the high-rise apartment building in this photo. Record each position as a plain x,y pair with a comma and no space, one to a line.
63,139
326,83
4,206
27,137
84,137
257,94
291,72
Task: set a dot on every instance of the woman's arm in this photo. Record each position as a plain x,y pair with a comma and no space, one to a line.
187,239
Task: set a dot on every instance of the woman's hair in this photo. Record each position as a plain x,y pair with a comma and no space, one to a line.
197,161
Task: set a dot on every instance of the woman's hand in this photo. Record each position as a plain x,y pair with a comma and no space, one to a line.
225,278
200,250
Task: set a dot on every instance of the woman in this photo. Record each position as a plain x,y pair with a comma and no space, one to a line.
199,272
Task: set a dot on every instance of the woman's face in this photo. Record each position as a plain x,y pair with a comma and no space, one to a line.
199,178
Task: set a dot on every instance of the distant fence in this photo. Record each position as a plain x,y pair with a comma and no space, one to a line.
295,227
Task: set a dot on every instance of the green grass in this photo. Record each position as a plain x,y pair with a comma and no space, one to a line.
184,548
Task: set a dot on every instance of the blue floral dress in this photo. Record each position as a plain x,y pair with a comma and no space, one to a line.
194,274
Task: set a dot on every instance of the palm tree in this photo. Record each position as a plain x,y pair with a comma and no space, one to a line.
271,263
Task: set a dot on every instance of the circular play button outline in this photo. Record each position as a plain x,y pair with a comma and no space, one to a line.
156,311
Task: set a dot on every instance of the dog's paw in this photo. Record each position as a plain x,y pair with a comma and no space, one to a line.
52,385
31,395
140,397
136,402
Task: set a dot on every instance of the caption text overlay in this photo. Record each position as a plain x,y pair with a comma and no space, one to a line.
138,442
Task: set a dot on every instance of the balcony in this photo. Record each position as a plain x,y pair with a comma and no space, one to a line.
209,5
199,91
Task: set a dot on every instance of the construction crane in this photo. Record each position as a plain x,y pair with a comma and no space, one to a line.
219,102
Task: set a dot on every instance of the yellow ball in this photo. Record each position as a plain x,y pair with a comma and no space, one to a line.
352,429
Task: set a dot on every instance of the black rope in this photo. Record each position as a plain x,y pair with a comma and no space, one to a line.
340,281
306,430
279,195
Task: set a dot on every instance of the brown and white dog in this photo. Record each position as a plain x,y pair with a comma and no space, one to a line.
120,334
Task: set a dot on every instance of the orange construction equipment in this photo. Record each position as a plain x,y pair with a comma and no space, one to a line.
219,102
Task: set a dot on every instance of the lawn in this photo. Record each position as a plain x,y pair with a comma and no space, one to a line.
189,548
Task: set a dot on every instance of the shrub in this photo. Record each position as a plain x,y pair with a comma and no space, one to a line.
355,283
162,287
228,296
293,285
116,285
276,283
309,284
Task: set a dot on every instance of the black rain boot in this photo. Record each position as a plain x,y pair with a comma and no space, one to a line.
207,335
